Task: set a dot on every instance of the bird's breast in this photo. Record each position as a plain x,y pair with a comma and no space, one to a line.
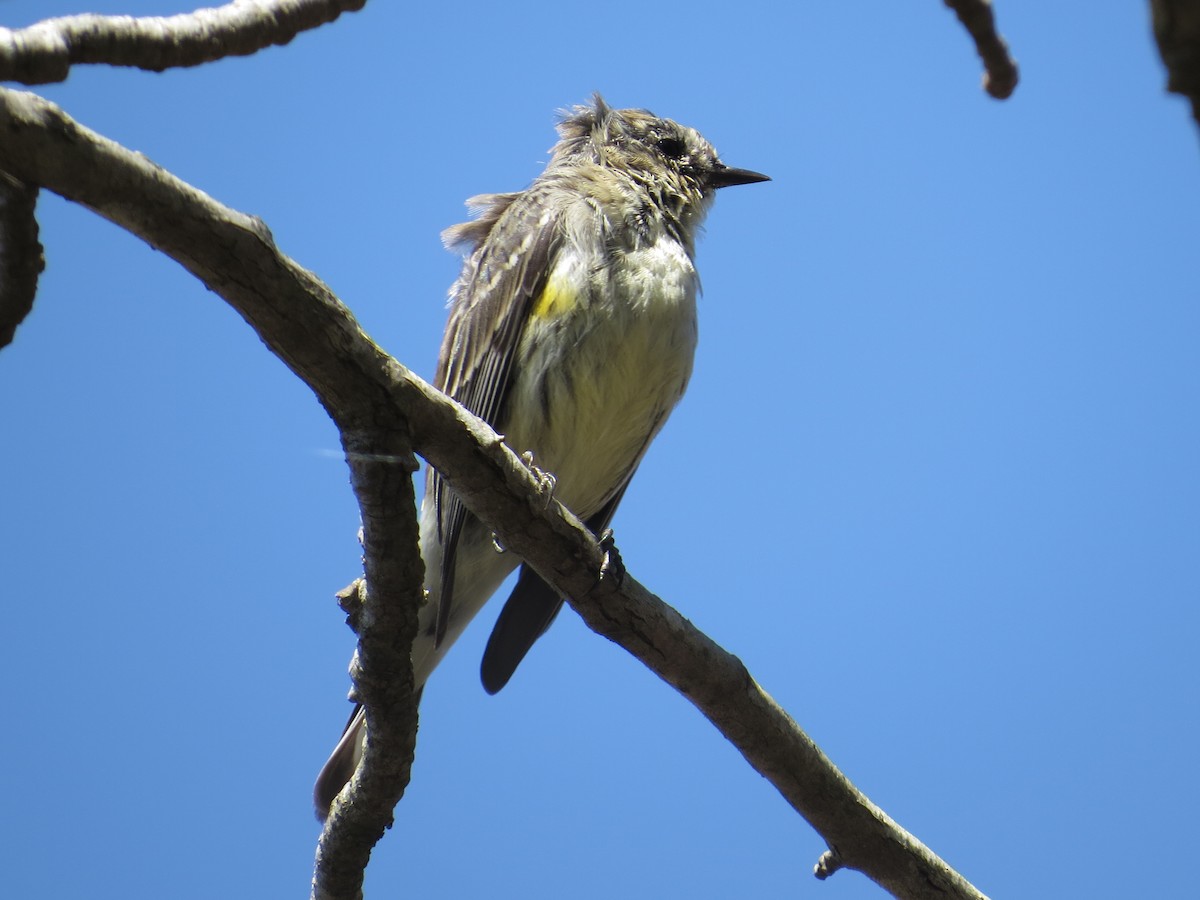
605,356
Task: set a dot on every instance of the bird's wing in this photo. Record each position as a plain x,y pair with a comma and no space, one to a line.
529,611
518,237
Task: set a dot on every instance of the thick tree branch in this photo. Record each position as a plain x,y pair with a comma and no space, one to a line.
378,404
45,52
294,312
1000,72
21,259
1177,31
307,327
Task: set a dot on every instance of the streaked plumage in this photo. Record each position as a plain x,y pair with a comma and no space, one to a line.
572,331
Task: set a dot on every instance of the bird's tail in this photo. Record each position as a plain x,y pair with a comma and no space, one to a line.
341,763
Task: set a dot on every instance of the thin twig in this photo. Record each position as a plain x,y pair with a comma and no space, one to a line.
1177,32
1000,72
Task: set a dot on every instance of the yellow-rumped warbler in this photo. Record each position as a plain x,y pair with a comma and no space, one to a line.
572,330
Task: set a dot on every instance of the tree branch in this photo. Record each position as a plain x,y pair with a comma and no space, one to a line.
21,258
1000,72
45,52
1177,31
382,667
378,404
317,337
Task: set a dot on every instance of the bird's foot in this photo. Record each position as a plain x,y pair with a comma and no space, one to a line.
546,481
613,566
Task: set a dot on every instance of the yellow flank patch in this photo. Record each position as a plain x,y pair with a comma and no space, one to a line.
555,300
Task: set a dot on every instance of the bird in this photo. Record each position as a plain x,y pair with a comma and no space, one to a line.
572,331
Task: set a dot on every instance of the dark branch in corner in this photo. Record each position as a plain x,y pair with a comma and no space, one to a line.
1000,72
44,52
1177,31
379,406
21,259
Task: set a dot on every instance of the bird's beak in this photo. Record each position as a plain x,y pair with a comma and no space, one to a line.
724,176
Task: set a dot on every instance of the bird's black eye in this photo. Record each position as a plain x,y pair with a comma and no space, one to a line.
672,148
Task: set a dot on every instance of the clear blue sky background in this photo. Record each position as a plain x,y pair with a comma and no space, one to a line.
935,480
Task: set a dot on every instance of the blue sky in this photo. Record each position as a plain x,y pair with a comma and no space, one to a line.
935,480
